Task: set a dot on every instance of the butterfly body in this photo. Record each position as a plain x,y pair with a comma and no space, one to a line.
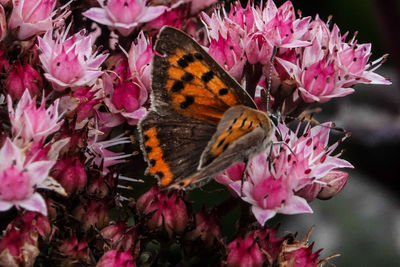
201,121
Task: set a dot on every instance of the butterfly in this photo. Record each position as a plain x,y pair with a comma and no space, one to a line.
201,120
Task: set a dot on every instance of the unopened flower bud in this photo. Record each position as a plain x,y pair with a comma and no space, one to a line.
70,172
74,249
114,258
120,236
335,181
207,228
22,77
167,208
93,213
244,253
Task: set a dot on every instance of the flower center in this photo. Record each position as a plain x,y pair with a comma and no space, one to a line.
14,184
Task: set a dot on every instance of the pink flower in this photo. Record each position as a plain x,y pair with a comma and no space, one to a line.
81,103
123,15
244,253
69,62
167,208
19,179
101,156
21,77
229,54
126,99
279,25
139,59
312,156
30,123
269,191
116,258
316,76
330,66
33,17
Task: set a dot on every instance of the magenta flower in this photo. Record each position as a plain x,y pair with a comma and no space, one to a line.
123,15
330,66
21,77
69,62
280,26
126,99
30,123
270,191
20,179
33,17
229,54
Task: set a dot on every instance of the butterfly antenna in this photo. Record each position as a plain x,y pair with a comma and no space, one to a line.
271,65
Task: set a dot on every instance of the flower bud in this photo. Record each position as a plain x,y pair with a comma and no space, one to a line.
74,249
70,172
92,213
99,184
244,253
22,77
120,236
335,181
19,244
3,23
268,242
114,258
167,209
207,228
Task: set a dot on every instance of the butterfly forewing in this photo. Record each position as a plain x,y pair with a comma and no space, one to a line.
187,79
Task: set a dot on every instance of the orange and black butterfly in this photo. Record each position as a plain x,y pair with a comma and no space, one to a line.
201,121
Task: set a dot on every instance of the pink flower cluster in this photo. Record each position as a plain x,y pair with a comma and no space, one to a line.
287,176
319,60
76,82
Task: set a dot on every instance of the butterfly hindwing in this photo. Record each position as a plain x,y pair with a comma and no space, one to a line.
189,80
173,144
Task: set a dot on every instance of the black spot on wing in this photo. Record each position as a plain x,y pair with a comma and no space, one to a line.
189,100
208,76
177,86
